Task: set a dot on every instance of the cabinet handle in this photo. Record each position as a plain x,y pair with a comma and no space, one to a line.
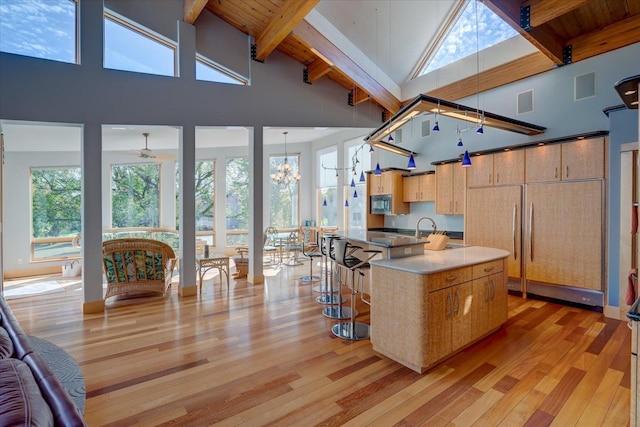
452,278
567,171
489,178
498,178
457,310
513,244
531,232
488,269
450,308
556,173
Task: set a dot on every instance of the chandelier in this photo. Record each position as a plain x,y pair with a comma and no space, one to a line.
284,173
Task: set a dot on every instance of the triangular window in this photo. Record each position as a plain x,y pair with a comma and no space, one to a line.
461,40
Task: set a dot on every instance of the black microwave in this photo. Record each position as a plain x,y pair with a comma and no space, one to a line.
381,204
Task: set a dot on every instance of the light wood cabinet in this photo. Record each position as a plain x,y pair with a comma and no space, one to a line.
504,168
450,189
582,159
494,219
420,188
490,295
564,237
389,182
384,183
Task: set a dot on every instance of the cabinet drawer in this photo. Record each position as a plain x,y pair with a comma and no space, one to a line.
487,268
448,278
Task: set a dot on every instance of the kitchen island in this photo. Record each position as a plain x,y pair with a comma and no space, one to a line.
424,308
391,245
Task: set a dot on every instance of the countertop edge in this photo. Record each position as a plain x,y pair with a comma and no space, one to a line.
459,257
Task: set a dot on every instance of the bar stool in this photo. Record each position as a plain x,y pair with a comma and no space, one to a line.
335,309
311,252
328,289
352,330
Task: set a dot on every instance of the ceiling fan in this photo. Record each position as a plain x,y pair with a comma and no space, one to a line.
147,153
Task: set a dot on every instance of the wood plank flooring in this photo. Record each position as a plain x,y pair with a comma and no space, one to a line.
264,355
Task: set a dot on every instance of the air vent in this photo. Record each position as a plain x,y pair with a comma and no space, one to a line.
585,86
525,102
426,128
398,136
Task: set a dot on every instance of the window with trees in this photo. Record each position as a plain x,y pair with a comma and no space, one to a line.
44,29
130,47
135,195
205,201
237,198
56,200
284,206
327,191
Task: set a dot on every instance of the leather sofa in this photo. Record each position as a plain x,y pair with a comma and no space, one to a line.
30,393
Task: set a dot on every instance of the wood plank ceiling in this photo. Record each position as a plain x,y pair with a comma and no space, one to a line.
564,31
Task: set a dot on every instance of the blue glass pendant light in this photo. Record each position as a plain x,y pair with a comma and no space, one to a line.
346,203
324,203
466,160
390,138
480,129
371,148
460,142
436,128
412,163
353,183
378,170
355,194
362,177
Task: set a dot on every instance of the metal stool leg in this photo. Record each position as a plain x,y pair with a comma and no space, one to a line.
310,277
352,330
336,310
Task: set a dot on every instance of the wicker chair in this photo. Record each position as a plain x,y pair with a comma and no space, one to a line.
137,267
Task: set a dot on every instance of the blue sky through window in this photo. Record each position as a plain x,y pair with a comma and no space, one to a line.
129,50
460,42
39,28
209,73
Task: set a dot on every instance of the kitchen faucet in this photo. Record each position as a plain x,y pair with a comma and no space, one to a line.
418,226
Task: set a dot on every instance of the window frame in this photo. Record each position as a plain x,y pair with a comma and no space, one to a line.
241,81
145,32
34,241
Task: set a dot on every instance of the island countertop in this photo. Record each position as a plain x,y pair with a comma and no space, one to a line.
381,238
436,261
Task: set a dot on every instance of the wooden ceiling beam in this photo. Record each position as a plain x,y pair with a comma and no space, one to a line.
318,43
521,68
543,11
317,69
614,36
280,25
192,9
359,96
541,37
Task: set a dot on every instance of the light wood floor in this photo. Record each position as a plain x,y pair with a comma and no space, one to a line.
264,355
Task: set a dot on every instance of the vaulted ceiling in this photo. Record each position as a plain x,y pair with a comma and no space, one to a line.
563,31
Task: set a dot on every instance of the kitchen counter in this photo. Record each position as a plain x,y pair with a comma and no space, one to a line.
427,307
393,245
435,261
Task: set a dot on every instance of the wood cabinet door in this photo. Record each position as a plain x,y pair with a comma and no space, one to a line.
542,163
508,167
564,234
480,174
395,184
493,219
386,182
375,184
459,187
411,191
439,325
498,308
444,188
464,306
583,159
428,187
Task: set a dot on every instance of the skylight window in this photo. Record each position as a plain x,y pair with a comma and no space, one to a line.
208,70
461,41
44,29
129,47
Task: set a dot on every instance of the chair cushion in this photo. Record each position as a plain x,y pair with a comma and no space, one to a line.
6,345
21,403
